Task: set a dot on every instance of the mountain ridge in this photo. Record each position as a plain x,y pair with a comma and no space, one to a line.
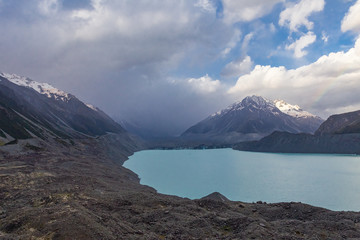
341,123
29,109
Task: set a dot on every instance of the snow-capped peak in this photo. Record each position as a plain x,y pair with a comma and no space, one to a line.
256,102
42,88
260,103
292,110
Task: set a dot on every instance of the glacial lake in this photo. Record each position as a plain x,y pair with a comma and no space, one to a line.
329,181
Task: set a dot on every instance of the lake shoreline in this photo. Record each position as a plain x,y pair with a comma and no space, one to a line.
251,184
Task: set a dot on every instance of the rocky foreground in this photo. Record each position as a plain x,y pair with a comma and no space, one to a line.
77,190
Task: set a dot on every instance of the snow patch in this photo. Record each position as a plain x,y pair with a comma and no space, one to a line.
292,110
92,107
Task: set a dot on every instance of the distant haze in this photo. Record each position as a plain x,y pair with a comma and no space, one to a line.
165,65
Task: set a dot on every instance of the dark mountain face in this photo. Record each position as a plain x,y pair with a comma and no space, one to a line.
338,134
341,123
26,113
252,118
283,142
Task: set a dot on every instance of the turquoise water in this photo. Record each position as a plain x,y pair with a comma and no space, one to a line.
329,181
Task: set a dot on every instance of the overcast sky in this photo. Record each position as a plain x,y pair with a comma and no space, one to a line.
167,64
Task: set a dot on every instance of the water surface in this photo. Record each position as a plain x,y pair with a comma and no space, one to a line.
330,181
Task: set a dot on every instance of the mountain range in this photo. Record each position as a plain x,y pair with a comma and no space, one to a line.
251,119
29,110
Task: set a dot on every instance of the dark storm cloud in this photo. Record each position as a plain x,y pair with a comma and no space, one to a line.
117,54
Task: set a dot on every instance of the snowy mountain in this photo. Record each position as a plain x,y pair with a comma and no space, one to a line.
42,88
254,102
251,119
30,109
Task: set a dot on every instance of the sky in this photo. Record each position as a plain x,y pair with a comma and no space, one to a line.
164,65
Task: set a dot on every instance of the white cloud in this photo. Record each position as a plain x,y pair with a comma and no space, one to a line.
324,37
299,45
326,86
297,15
207,5
232,43
244,10
272,28
351,21
204,85
246,41
238,68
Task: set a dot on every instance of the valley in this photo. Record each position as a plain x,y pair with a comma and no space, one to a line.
62,177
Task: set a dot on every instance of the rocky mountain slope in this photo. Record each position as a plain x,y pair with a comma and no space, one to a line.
251,119
340,124
338,134
30,109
